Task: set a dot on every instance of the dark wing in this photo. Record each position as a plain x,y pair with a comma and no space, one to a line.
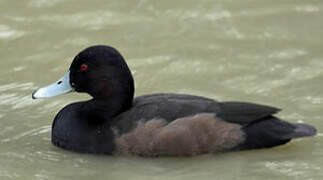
244,113
173,106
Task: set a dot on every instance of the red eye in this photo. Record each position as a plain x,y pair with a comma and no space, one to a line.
83,67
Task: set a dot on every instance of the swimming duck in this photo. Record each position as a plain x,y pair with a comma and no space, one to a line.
114,122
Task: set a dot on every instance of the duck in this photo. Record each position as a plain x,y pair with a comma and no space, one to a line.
114,122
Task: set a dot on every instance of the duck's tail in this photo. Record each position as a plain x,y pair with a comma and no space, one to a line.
302,130
272,131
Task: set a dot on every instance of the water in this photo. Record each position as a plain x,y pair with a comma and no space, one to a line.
253,50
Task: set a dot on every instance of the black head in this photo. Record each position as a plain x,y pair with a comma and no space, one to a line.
102,72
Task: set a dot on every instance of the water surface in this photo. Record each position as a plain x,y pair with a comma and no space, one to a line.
252,50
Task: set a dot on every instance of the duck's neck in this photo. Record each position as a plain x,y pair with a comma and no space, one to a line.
112,95
99,110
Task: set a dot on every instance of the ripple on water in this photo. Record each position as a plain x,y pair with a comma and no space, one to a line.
11,95
294,169
16,86
44,3
287,54
19,68
192,14
8,33
18,96
92,20
32,132
9,174
307,8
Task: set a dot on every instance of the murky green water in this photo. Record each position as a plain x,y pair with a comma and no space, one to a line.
251,50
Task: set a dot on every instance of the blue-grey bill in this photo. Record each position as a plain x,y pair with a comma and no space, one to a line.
61,86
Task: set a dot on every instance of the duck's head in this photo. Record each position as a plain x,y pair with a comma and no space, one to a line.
99,71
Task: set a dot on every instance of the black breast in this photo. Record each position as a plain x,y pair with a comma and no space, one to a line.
74,131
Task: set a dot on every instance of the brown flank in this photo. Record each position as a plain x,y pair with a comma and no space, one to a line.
202,133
